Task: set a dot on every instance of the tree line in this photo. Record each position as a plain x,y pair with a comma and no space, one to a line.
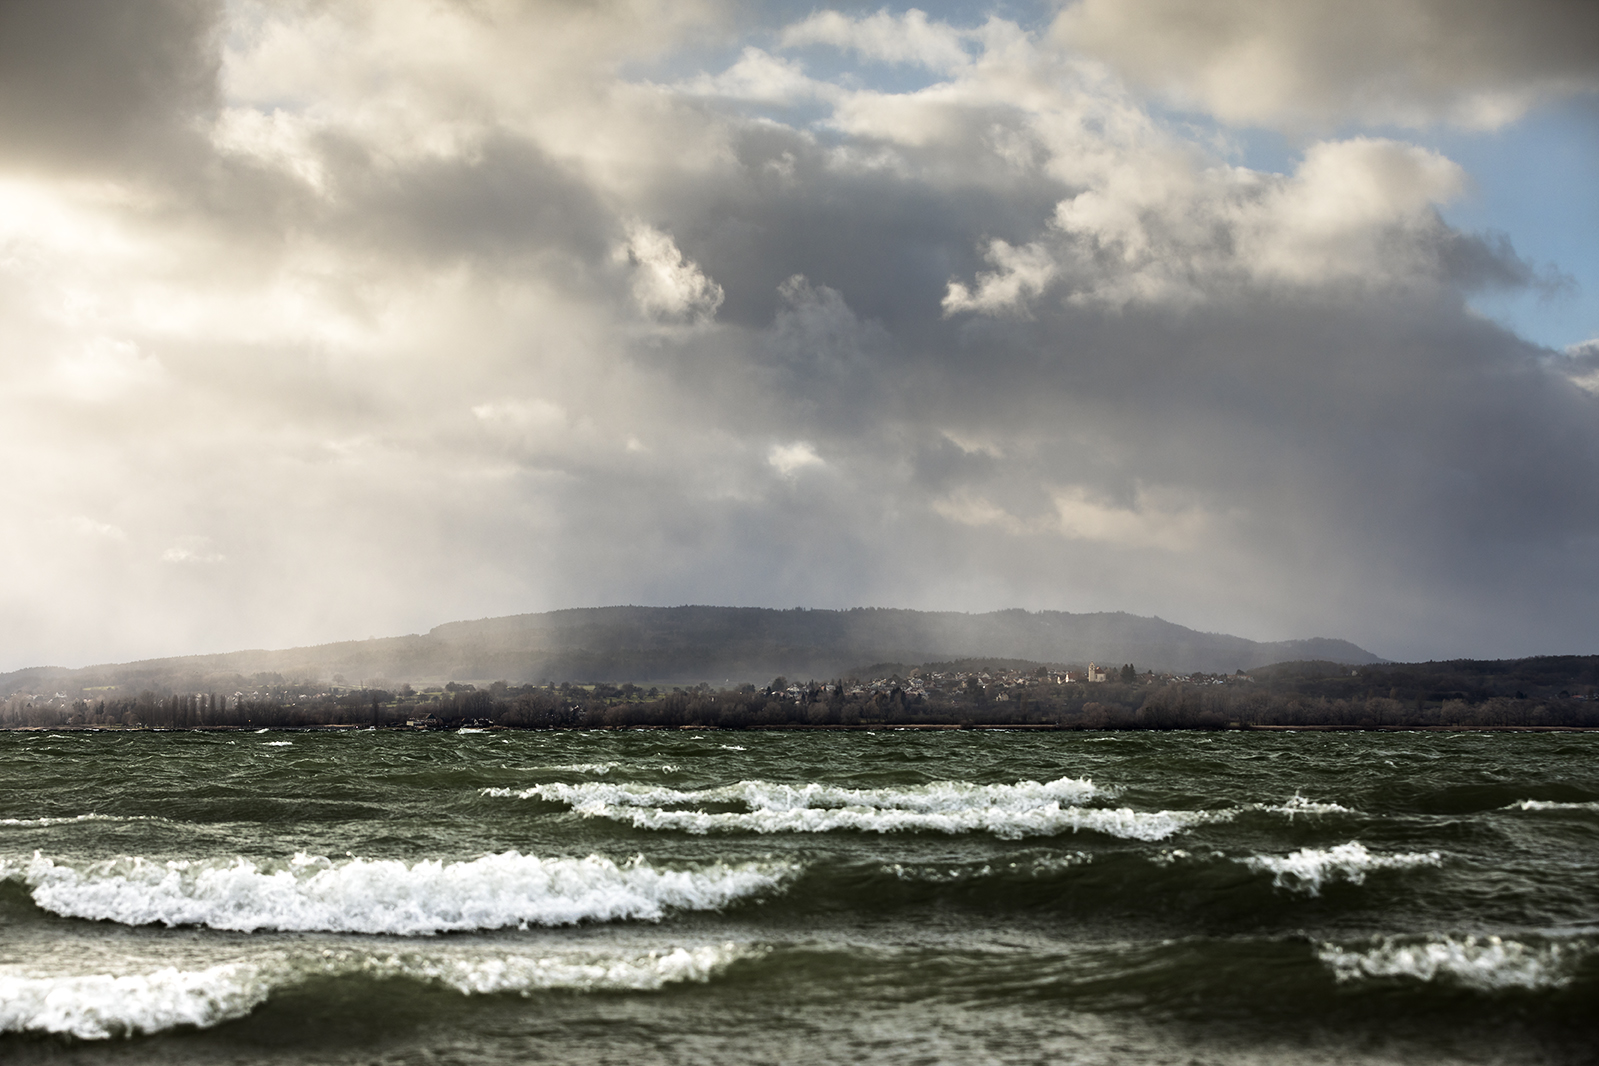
1289,695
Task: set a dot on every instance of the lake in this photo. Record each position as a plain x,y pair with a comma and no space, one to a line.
744,897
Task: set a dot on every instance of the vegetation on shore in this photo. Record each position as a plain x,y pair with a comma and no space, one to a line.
1556,691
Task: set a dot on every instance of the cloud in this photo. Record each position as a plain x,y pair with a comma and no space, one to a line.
888,38
98,84
192,550
1360,211
1581,365
1023,272
664,282
536,306
787,459
1477,64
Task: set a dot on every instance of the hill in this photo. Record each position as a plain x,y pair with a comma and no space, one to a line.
675,644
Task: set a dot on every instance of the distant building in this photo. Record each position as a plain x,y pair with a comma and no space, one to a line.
1095,673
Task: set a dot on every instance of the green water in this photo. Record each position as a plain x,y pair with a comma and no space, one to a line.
899,897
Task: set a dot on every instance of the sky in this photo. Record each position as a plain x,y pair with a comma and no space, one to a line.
329,320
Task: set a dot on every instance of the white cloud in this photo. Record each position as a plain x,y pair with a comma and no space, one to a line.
192,550
1080,515
1477,63
889,38
1358,211
789,459
1151,522
760,77
1023,272
665,283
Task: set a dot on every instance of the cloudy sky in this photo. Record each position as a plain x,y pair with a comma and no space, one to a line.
328,320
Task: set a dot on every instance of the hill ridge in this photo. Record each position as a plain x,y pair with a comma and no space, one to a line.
695,642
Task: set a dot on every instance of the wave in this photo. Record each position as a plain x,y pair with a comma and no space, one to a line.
1031,867
1551,805
1487,963
591,971
1300,805
567,768
75,818
938,797
1027,808
100,1006
1308,869
311,893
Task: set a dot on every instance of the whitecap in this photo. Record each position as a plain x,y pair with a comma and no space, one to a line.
498,973
98,1006
1027,808
1307,869
565,768
312,893
278,744
1486,963
1298,805
937,797
1550,805
1037,866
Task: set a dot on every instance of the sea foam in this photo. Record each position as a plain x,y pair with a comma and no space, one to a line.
524,974
99,1006
1028,808
1298,805
1551,805
1486,963
387,896
1308,869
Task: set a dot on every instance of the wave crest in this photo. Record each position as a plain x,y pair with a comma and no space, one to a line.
1028,808
1308,869
1485,963
99,1006
1551,805
311,893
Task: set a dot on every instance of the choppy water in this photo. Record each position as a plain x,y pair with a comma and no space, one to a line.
896,897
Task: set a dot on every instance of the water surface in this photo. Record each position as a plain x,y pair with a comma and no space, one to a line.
897,897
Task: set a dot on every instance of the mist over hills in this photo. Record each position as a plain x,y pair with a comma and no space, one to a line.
717,644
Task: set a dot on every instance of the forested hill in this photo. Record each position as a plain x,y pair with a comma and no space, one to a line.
715,644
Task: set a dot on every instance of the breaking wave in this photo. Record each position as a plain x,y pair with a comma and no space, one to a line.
1551,805
1008,811
1298,805
311,893
99,1006
1308,869
961,873
1487,963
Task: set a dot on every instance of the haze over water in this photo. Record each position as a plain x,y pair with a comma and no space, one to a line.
730,897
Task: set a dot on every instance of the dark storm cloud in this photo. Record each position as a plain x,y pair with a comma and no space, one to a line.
100,83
